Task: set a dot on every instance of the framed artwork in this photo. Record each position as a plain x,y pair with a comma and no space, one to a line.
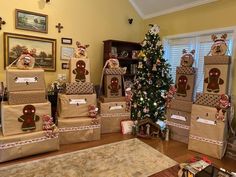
66,41
67,53
15,44
64,65
31,21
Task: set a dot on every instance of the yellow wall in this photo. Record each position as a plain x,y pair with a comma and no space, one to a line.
214,15
89,21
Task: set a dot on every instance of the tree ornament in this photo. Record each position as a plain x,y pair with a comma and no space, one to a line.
158,61
155,29
139,114
140,65
154,67
141,55
158,44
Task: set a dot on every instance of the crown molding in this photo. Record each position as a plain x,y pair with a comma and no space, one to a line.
137,8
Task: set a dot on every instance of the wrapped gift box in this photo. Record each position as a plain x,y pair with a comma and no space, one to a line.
112,85
216,78
23,118
79,130
27,97
79,70
115,71
207,99
207,135
185,81
113,107
18,146
79,88
75,105
115,99
111,123
25,80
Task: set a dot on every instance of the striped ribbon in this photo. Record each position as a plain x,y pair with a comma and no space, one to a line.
207,140
115,115
24,142
74,129
177,125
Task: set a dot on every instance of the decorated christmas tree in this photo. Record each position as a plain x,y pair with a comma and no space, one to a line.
152,80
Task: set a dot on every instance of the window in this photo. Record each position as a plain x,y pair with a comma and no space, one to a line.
202,43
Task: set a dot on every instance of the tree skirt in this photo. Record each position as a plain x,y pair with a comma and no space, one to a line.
129,158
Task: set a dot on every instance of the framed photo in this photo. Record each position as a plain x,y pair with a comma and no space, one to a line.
135,54
15,44
67,53
64,65
31,21
66,41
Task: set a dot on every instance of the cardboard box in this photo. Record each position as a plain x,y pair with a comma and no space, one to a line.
79,88
79,70
185,82
23,118
112,85
18,146
113,107
216,78
207,135
79,130
24,80
75,105
111,124
185,106
115,99
27,97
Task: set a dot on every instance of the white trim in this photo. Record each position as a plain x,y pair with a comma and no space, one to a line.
204,32
170,10
137,8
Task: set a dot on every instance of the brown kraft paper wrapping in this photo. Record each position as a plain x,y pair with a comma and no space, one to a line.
79,88
179,117
108,99
179,134
25,145
10,114
27,97
216,78
207,135
112,124
79,70
75,105
113,85
24,80
79,130
112,107
184,84
185,106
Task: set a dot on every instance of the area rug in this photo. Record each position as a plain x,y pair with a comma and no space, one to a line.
129,158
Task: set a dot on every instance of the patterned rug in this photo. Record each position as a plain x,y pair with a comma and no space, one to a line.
129,158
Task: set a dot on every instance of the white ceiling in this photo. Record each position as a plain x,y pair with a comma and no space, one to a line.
153,8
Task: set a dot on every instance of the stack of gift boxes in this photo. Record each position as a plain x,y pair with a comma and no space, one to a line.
179,110
22,116
113,106
208,130
75,121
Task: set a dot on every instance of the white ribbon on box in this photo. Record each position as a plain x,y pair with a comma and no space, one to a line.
178,117
205,121
26,80
116,107
77,101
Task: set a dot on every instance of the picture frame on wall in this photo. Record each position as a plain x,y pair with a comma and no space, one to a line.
15,44
66,41
67,53
31,21
64,65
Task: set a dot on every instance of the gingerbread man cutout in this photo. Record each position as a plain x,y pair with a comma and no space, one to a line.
214,81
114,86
80,71
182,86
28,118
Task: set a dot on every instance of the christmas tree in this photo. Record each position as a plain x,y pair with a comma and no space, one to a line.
152,80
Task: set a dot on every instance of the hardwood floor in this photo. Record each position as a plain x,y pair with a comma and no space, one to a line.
175,150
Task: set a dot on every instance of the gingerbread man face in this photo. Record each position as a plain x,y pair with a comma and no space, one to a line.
214,73
80,71
29,110
80,65
114,83
183,80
